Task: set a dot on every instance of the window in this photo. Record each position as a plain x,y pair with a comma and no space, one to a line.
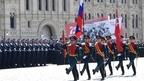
27,4
76,18
126,35
64,5
110,16
125,1
110,1
85,0
136,1
101,0
85,16
97,14
136,21
46,4
137,35
53,5
89,16
113,1
125,20
122,17
102,15
133,34
121,1
97,0
133,21
88,0
114,16
39,4
133,2
12,20
29,24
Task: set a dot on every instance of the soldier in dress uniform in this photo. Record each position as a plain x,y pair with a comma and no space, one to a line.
121,55
111,53
23,50
37,47
100,52
45,51
9,55
133,53
41,52
33,53
18,56
13,46
74,56
87,52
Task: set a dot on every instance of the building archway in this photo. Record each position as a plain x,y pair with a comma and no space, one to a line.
46,32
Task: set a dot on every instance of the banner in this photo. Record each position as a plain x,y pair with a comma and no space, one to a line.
70,28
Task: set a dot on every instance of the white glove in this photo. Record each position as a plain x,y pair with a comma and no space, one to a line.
84,57
119,54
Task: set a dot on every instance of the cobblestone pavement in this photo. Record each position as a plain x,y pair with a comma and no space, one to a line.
57,73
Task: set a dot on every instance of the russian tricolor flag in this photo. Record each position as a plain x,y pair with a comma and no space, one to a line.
80,18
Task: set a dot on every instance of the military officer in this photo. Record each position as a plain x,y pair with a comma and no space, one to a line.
87,52
45,51
100,52
133,53
121,55
111,53
73,56
37,47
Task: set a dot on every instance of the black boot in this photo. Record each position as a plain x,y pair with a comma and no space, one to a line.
93,71
67,71
116,68
127,66
81,72
89,76
122,68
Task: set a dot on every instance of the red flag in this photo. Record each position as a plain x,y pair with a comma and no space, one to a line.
80,17
117,32
64,42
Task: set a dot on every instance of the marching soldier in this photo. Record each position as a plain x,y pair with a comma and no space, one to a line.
87,51
37,47
121,55
45,51
74,56
133,53
100,52
23,56
111,52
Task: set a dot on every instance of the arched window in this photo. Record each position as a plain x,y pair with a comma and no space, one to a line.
102,15
133,20
136,21
125,20
113,1
110,16
85,16
122,17
97,14
12,20
114,16
89,16
110,1
27,4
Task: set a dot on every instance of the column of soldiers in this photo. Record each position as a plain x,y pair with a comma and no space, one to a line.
104,50
23,53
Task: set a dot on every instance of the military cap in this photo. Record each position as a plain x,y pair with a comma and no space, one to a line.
65,38
8,39
132,37
87,36
73,37
108,37
98,36
122,36
102,38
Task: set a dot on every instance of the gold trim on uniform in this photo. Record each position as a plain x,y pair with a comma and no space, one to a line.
131,49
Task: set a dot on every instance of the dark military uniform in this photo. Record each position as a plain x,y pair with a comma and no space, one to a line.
121,56
14,52
1,46
133,53
111,55
100,52
87,52
73,56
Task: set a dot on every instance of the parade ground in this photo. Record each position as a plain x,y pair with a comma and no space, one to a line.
57,73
